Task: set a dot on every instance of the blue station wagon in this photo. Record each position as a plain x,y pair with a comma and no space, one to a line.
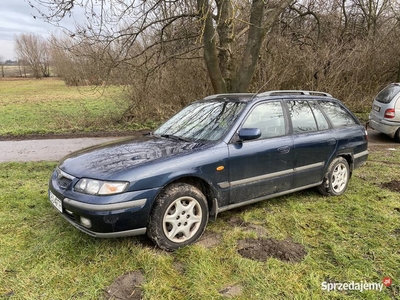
218,153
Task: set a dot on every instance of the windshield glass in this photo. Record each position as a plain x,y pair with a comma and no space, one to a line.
202,121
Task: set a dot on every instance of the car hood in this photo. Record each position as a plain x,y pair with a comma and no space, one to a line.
105,160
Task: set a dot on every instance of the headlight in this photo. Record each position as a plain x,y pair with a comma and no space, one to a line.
99,187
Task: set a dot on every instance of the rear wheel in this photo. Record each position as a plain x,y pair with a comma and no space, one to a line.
179,217
336,178
397,135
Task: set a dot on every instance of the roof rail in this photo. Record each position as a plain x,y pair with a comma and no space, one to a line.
228,95
294,92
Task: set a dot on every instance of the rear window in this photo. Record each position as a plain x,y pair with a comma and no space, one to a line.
388,93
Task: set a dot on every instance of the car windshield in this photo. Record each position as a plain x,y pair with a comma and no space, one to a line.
204,120
388,93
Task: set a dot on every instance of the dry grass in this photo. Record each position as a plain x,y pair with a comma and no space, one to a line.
44,106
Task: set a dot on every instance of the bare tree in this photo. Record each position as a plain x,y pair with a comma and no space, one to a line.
33,50
171,51
147,31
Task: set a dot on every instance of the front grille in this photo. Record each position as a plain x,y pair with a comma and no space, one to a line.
63,182
63,179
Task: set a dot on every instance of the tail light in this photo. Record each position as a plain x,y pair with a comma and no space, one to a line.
390,113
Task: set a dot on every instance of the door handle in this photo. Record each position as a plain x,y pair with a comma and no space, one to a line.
283,149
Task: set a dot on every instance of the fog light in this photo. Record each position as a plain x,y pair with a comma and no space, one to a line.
86,222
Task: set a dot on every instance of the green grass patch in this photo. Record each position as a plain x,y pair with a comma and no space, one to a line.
354,237
29,106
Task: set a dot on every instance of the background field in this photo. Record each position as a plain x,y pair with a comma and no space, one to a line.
29,106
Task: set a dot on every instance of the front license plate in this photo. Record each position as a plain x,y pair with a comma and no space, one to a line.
377,108
56,202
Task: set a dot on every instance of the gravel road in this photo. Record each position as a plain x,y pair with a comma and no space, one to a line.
45,150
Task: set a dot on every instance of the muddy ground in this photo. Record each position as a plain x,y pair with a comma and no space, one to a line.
128,285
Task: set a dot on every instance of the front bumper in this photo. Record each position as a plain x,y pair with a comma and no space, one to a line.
131,232
124,214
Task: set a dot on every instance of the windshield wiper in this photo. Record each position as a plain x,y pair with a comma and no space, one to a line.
174,137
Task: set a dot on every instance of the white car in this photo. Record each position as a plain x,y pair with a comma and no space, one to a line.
385,112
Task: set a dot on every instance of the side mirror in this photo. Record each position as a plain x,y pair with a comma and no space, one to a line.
246,134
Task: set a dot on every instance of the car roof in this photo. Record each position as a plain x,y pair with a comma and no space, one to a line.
246,97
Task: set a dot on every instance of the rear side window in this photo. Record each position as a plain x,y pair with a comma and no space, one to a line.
337,114
302,117
388,93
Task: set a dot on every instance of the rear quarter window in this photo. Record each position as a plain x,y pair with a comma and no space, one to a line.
337,114
388,93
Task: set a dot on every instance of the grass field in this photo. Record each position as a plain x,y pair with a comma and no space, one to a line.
351,238
29,106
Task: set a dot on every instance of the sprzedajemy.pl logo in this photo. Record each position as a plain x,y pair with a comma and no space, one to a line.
356,286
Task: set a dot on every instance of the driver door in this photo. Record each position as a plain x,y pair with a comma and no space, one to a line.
263,166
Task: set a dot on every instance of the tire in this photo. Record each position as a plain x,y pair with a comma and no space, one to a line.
397,135
336,178
178,218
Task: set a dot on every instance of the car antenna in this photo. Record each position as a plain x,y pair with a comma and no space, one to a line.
258,91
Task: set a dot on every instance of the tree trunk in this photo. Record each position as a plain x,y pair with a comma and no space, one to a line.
226,36
210,49
255,38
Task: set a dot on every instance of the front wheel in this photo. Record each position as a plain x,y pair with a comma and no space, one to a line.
178,217
336,178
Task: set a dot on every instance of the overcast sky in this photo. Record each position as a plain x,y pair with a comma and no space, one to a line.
16,17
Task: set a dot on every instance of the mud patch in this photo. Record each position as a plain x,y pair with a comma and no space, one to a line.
179,267
127,286
235,222
247,227
262,248
232,291
393,185
210,239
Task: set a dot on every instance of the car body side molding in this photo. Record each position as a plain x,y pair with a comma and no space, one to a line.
225,184
105,207
361,154
232,206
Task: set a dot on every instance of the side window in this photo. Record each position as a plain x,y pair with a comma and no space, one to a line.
302,116
322,123
269,118
337,114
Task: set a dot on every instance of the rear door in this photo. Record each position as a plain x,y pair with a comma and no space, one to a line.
314,142
350,134
264,166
